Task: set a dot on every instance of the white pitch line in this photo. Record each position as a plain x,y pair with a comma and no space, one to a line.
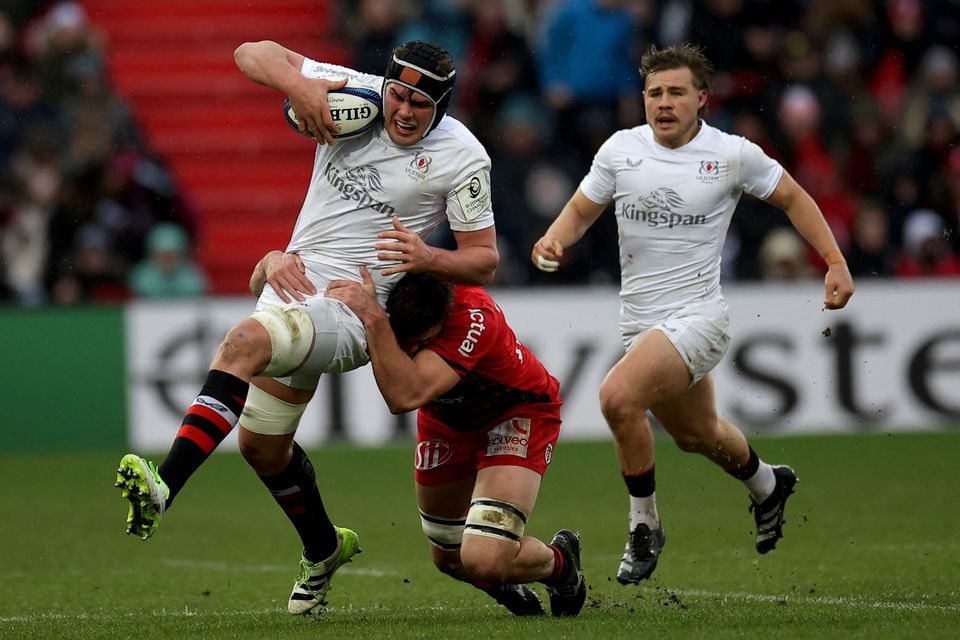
839,601
187,613
212,565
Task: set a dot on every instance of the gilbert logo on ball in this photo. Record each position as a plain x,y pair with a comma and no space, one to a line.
355,110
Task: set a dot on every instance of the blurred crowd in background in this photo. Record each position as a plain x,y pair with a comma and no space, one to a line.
858,99
86,212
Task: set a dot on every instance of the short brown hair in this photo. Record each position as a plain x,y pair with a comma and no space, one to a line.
683,55
417,303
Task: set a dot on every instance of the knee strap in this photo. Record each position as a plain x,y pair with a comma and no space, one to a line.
496,519
270,416
443,533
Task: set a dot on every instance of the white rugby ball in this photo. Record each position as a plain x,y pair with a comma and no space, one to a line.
355,110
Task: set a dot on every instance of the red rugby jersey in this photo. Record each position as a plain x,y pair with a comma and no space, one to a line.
497,373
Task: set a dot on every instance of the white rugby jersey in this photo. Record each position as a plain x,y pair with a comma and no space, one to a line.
673,208
360,183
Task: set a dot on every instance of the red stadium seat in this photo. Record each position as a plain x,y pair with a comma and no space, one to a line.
223,136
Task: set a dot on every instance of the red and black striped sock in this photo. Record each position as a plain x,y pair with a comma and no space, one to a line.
295,490
208,421
559,564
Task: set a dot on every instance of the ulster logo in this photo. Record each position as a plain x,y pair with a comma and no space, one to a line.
712,171
421,162
418,167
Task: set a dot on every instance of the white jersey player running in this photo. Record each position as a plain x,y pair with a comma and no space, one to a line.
674,184
673,208
372,200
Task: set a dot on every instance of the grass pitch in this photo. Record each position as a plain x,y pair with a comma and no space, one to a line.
870,550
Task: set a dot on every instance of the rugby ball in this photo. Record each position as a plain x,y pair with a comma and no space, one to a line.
355,110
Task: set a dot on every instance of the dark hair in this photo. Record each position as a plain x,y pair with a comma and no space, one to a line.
418,302
431,55
683,55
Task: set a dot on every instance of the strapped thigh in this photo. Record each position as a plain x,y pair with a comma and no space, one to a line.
496,519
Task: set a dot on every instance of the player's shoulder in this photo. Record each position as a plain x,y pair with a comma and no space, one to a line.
472,296
475,304
630,138
712,136
641,133
453,134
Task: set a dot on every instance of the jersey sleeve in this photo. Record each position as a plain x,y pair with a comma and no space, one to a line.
467,335
759,173
314,69
469,206
600,183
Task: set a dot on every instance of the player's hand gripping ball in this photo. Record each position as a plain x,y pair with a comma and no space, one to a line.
355,110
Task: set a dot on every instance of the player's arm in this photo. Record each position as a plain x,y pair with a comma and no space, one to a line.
808,220
575,218
474,261
285,273
273,65
406,383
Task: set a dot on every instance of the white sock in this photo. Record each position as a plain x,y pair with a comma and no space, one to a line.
762,483
644,511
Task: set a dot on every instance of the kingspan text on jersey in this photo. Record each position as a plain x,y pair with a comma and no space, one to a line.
353,190
657,218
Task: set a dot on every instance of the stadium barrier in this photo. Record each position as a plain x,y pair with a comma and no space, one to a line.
122,376
891,361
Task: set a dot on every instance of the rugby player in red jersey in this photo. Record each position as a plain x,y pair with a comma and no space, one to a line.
487,425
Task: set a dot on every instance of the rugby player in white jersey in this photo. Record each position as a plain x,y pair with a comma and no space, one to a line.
371,202
674,183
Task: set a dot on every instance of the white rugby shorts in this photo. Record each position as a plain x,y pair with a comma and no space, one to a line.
340,343
700,333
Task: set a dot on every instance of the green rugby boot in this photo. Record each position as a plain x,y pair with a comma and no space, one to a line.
313,582
142,486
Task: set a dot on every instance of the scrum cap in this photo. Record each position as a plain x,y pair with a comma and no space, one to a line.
427,68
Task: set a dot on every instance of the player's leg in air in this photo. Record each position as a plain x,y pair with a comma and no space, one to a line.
308,339
692,421
244,352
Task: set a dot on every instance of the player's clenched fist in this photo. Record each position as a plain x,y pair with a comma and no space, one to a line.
547,253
